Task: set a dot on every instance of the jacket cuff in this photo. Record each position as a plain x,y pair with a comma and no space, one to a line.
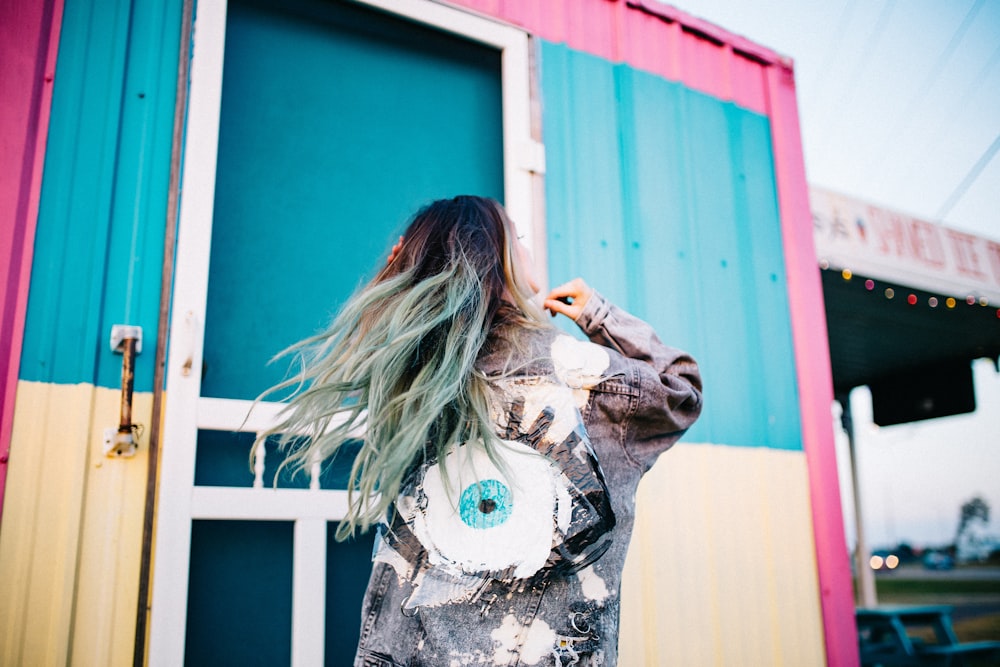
594,312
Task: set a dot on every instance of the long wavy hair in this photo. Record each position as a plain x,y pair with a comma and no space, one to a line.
397,366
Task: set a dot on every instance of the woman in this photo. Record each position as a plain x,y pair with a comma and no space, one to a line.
500,457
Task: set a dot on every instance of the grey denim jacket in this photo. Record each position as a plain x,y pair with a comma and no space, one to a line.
519,561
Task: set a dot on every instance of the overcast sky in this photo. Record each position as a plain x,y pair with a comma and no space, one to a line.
899,101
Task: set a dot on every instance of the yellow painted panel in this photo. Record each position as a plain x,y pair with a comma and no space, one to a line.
72,529
722,567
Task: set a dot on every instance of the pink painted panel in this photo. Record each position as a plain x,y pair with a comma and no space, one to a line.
815,378
749,84
29,40
650,44
523,13
594,28
701,26
703,67
551,19
488,7
650,36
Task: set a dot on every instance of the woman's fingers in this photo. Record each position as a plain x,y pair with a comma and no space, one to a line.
569,298
395,250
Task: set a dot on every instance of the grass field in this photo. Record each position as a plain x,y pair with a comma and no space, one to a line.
893,587
980,628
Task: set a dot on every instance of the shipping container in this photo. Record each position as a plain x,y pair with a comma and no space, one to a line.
222,176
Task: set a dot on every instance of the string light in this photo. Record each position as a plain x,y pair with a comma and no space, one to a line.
911,298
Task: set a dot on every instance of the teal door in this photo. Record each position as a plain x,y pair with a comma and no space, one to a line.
335,122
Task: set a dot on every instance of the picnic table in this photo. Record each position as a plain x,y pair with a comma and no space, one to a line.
922,635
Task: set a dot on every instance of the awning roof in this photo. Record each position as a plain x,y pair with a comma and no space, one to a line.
873,336
902,293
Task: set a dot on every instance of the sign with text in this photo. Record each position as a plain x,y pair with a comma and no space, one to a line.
884,244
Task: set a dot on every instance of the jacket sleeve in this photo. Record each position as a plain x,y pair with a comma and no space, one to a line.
668,380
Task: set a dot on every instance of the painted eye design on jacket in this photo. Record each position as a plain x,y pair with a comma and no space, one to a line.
485,504
538,500
499,525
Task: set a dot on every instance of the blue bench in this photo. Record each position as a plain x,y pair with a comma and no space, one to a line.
891,636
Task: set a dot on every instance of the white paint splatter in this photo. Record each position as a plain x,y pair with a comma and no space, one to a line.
564,507
505,639
580,364
561,400
539,641
592,584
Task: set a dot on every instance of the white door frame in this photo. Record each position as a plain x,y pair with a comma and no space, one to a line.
179,501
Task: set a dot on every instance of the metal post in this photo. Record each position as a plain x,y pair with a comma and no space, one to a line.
122,441
128,382
866,576
143,602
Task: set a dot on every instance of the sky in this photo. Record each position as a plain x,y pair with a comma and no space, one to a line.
899,103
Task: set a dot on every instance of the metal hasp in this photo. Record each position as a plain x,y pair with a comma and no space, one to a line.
127,341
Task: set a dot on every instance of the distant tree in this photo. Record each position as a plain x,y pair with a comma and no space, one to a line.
973,542
977,508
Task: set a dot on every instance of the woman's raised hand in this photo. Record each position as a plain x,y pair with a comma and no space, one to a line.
569,298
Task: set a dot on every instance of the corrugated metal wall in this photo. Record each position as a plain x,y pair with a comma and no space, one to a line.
674,181
664,198
98,257
667,198
72,524
652,36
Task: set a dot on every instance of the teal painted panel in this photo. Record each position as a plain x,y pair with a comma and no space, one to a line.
337,123
222,458
348,566
99,243
765,279
583,172
240,593
664,199
657,205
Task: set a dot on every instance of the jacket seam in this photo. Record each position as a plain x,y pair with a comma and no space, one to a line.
376,609
635,399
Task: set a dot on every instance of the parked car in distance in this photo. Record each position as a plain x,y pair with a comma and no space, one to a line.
938,560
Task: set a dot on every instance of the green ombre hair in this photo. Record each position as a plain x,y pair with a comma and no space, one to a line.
397,367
